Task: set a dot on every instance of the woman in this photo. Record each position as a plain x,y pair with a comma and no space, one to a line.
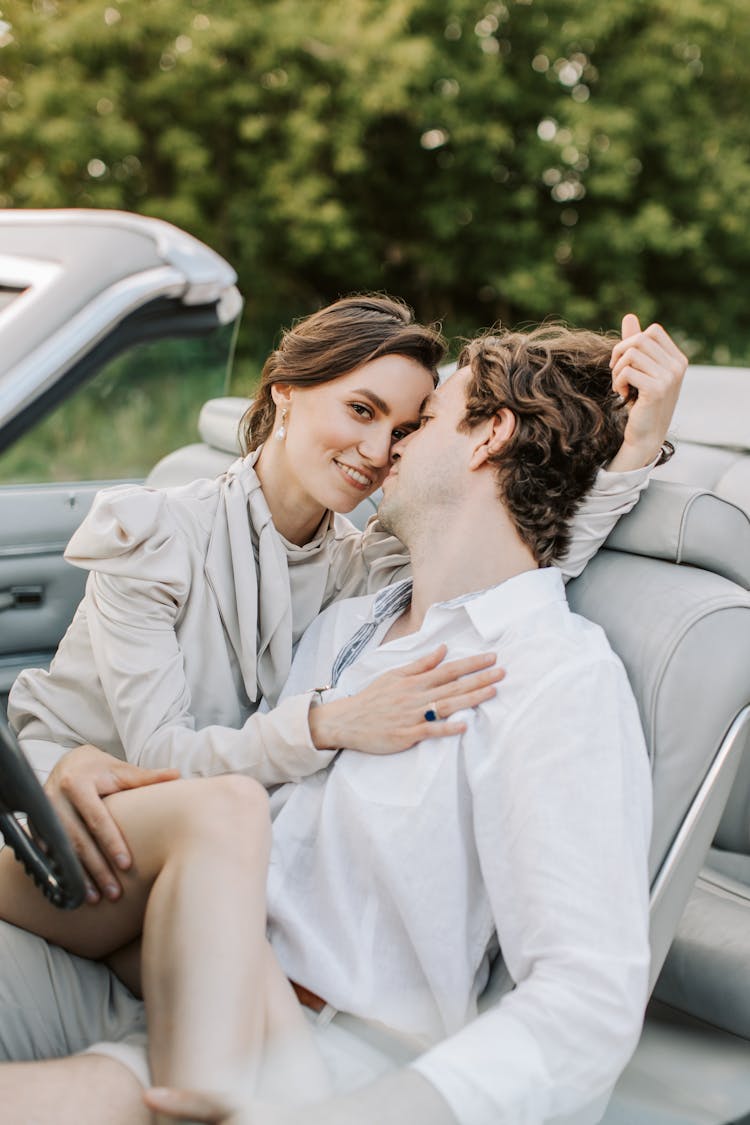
196,596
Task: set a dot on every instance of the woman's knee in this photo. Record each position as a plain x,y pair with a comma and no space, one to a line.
231,807
157,820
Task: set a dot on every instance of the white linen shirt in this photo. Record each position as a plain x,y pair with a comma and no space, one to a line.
389,876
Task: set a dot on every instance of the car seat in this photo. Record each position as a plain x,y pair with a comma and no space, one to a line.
707,971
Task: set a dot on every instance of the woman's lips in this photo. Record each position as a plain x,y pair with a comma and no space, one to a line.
355,477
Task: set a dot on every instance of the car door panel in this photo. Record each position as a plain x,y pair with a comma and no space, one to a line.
39,591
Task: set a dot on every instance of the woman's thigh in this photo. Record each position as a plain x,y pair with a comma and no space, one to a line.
161,823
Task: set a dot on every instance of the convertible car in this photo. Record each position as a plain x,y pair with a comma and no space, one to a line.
116,343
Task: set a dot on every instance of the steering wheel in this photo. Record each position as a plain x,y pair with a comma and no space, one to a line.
46,854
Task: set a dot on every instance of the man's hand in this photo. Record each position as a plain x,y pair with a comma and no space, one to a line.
400,1097
651,363
194,1105
76,787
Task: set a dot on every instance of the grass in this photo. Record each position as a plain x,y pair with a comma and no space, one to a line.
140,406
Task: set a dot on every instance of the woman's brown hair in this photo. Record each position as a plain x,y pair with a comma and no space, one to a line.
569,422
334,341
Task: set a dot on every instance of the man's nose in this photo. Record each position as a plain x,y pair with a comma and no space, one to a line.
399,446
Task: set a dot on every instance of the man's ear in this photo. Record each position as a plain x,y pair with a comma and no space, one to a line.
494,433
281,393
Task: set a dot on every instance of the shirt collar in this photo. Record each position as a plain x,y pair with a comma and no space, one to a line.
391,600
490,609
497,607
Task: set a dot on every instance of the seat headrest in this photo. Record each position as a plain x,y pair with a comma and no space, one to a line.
218,423
714,407
685,524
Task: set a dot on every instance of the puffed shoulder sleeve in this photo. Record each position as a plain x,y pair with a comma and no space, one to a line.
131,533
363,562
142,562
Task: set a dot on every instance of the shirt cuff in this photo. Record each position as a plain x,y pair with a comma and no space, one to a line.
305,757
42,755
491,1072
467,1104
611,483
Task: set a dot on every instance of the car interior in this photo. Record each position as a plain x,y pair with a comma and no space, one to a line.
671,588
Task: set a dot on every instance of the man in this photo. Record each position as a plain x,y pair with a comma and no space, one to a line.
534,823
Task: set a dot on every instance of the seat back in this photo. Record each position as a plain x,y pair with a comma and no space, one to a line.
712,431
671,591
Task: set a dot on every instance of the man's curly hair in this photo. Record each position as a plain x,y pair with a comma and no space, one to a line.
569,422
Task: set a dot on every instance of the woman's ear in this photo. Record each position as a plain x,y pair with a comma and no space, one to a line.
494,434
281,393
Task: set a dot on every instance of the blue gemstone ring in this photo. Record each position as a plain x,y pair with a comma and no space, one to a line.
431,714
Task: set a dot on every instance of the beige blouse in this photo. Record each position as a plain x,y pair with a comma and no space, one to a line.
192,607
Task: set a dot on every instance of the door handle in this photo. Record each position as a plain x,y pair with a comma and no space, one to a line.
21,597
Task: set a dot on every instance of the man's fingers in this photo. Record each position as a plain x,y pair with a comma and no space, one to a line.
187,1104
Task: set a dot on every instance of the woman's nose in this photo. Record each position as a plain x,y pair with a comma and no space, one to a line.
376,446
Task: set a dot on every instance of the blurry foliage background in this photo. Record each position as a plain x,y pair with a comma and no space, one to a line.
485,160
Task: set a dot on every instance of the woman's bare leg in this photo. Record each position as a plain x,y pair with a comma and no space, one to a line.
197,889
223,933
125,963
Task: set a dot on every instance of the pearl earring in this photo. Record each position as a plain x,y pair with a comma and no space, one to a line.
281,432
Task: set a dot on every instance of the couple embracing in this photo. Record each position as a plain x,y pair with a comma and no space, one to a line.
454,759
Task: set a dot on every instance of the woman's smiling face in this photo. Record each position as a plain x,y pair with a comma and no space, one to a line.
339,434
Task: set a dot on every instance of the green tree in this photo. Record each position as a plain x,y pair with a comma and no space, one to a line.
484,159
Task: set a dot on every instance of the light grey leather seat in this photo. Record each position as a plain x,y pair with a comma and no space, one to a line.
218,428
707,972
712,433
670,589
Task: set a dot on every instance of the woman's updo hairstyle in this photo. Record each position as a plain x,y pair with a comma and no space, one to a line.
334,341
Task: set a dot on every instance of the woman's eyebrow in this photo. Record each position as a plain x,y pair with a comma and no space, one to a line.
428,402
376,400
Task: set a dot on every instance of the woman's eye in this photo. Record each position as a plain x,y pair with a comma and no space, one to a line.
423,420
361,409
